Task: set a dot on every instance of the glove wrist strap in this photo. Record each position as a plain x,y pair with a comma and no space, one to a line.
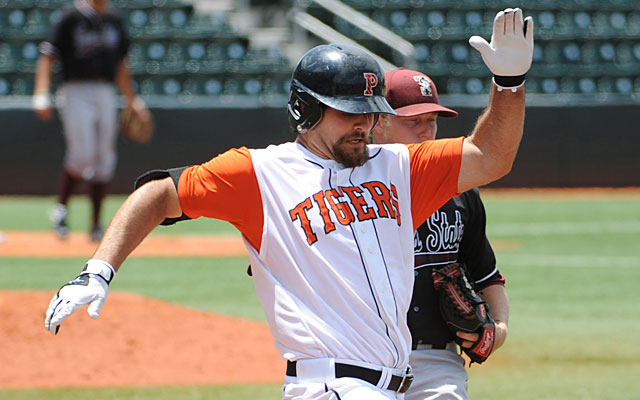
509,82
100,268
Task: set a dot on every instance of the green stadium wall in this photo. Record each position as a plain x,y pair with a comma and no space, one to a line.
568,146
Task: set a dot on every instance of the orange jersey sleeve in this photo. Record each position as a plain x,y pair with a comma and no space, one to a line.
435,166
225,188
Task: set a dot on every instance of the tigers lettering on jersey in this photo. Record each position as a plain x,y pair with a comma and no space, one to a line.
345,204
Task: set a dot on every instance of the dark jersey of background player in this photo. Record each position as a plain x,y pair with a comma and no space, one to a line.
89,45
455,232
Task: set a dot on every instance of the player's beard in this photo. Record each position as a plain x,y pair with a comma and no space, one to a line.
351,158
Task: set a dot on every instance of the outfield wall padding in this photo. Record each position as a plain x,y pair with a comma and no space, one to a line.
577,146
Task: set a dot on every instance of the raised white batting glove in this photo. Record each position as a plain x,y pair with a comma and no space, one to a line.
510,52
90,287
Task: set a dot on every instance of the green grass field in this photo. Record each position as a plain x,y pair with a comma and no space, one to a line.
572,269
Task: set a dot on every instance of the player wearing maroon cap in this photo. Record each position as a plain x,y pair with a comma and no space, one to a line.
456,232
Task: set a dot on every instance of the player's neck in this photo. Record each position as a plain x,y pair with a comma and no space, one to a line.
99,5
320,150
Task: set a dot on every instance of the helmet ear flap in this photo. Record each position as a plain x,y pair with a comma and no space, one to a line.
304,110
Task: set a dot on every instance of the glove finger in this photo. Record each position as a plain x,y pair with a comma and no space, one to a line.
55,302
498,25
480,44
528,30
95,306
53,322
517,22
509,17
61,312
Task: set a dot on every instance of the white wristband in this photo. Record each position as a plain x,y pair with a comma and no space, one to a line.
99,267
41,101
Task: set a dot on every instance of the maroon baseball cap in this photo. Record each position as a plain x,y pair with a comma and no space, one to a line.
412,93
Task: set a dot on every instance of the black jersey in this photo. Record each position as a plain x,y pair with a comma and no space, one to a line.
456,232
89,45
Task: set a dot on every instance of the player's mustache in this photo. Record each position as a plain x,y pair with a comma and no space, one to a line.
354,136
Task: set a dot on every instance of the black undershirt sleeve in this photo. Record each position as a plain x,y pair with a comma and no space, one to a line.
157,174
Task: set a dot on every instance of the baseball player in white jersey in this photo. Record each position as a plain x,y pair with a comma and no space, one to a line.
330,246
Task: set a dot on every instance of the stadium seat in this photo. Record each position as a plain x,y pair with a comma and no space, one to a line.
16,19
587,85
476,86
571,52
624,85
5,87
549,86
171,87
212,86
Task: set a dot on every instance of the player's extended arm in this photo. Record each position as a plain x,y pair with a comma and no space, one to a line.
41,100
143,210
488,153
496,298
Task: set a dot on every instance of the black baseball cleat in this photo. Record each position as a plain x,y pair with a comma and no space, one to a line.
58,218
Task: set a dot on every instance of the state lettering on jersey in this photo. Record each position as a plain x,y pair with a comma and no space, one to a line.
347,204
437,241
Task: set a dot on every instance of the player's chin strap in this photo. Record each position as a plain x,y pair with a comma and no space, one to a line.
376,117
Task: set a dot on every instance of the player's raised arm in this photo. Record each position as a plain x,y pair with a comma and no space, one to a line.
489,152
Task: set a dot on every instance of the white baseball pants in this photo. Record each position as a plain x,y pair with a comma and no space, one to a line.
316,380
438,375
89,124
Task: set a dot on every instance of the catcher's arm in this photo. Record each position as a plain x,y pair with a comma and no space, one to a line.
496,298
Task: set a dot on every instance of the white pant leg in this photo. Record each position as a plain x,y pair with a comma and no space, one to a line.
89,121
78,125
316,380
107,133
437,375
337,389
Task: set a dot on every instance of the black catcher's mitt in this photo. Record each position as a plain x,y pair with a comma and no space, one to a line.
463,310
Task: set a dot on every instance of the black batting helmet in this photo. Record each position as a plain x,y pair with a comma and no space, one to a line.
343,77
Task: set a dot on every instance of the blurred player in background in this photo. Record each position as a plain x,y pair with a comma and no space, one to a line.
456,232
90,43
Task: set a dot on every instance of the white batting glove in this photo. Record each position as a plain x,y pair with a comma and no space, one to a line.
510,52
90,287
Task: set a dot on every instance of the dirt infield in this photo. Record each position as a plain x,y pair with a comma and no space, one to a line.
137,341
47,244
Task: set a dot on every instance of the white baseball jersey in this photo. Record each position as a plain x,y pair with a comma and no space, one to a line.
331,248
